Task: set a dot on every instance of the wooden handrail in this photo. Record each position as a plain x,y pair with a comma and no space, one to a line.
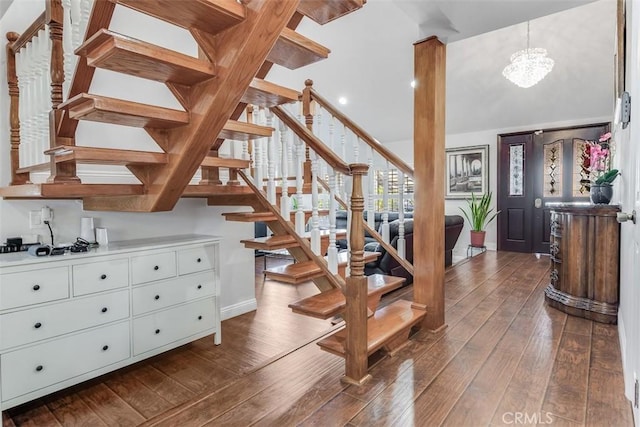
30,33
312,141
361,133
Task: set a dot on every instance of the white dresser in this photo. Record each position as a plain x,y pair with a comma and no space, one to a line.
67,318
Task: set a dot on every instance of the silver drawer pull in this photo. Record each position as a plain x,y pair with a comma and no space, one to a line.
36,287
39,368
37,325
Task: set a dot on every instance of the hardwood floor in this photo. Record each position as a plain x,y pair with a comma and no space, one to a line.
504,354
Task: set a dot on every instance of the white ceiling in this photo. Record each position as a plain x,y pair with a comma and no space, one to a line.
371,62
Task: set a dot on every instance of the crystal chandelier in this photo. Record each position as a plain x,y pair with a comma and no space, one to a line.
528,66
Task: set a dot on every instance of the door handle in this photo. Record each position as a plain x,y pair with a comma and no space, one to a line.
623,217
537,203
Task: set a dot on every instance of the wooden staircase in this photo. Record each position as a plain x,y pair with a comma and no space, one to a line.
238,43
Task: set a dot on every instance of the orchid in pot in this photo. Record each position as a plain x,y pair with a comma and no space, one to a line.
597,161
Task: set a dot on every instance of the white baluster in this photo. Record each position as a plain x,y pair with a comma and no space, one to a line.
401,240
271,161
22,78
343,144
85,13
46,106
258,152
356,149
28,99
332,250
331,127
385,204
315,220
284,198
300,222
371,220
76,24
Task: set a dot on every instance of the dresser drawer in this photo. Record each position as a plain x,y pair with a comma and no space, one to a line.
196,259
164,327
100,276
172,292
28,326
32,368
147,268
33,287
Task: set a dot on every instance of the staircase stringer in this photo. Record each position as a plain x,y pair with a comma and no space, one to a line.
240,52
303,252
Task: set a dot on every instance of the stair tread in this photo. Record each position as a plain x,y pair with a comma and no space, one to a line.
323,11
329,303
104,156
225,162
111,110
69,190
293,50
217,190
343,257
250,216
211,16
381,327
266,94
243,131
271,242
294,273
112,51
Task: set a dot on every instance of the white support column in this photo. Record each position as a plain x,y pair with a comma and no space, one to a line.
284,197
356,149
401,240
67,46
385,204
271,161
300,158
315,219
22,111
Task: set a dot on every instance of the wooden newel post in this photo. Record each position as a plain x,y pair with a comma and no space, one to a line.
60,172
14,117
356,369
307,112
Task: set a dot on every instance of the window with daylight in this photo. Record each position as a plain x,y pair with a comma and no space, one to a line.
394,191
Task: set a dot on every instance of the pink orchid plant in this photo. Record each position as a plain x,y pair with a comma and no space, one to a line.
597,160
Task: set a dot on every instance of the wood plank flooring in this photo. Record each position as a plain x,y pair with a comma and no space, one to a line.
504,352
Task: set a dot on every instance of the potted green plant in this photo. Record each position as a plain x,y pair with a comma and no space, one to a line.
479,216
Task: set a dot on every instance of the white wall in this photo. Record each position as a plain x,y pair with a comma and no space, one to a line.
404,149
189,216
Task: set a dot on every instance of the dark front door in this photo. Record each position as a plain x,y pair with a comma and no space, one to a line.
535,169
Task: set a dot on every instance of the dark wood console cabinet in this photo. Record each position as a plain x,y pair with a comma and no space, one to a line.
584,249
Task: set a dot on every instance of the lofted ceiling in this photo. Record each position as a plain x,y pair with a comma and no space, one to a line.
371,63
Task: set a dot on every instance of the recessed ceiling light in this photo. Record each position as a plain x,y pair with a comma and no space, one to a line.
413,84
342,100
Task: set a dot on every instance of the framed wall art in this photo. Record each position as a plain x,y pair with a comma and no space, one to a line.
467,170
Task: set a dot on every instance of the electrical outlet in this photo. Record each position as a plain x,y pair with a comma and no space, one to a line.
46,214
35,219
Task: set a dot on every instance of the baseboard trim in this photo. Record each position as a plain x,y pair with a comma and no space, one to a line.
627,371
239,308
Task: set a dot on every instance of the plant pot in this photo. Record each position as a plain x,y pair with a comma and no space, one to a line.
477,239
601,193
